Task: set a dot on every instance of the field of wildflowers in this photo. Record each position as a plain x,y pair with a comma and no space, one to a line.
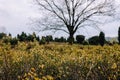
31,61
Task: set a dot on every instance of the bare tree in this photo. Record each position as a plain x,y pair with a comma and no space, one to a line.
70,15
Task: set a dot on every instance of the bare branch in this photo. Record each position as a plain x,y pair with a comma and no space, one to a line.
62,12
74,13
83,20
82,12
68,10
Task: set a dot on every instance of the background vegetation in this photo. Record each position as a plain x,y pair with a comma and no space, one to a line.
58,61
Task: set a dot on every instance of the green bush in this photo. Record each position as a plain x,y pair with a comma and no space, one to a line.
22,37
94,40
30,38
56,40
43,40
2,35
102,38
61,39
80,38
6,40
13,41
71,40
85,43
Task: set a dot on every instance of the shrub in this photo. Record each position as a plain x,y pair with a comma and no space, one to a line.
60,62
85,43
2,35
14,41
62,39
57,40
22,37
50,38
30,38
80,38
70,39
47,38
109,43
102,38
6,40
94,40
38,39
43,40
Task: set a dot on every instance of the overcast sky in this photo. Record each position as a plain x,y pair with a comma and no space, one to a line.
15,16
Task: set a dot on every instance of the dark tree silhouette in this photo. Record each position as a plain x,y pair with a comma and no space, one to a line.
80,38
22,37
119,35
94,40
2,35
102,38
70,15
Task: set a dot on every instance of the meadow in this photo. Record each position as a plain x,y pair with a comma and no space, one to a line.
59,61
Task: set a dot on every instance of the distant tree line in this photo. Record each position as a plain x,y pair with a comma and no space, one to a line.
80,39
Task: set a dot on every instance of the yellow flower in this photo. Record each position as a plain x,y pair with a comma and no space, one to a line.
29,74
98,67
33,69
49,77
36,79
26,79
41,66
25,75
18,77
114,66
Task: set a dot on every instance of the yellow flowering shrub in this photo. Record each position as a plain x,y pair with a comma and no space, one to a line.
31,61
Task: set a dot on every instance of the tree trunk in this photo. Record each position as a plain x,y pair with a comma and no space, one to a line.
71,38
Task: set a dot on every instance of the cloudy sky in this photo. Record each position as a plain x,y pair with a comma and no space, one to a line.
15,17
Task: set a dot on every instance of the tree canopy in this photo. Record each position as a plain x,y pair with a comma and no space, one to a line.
70,15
